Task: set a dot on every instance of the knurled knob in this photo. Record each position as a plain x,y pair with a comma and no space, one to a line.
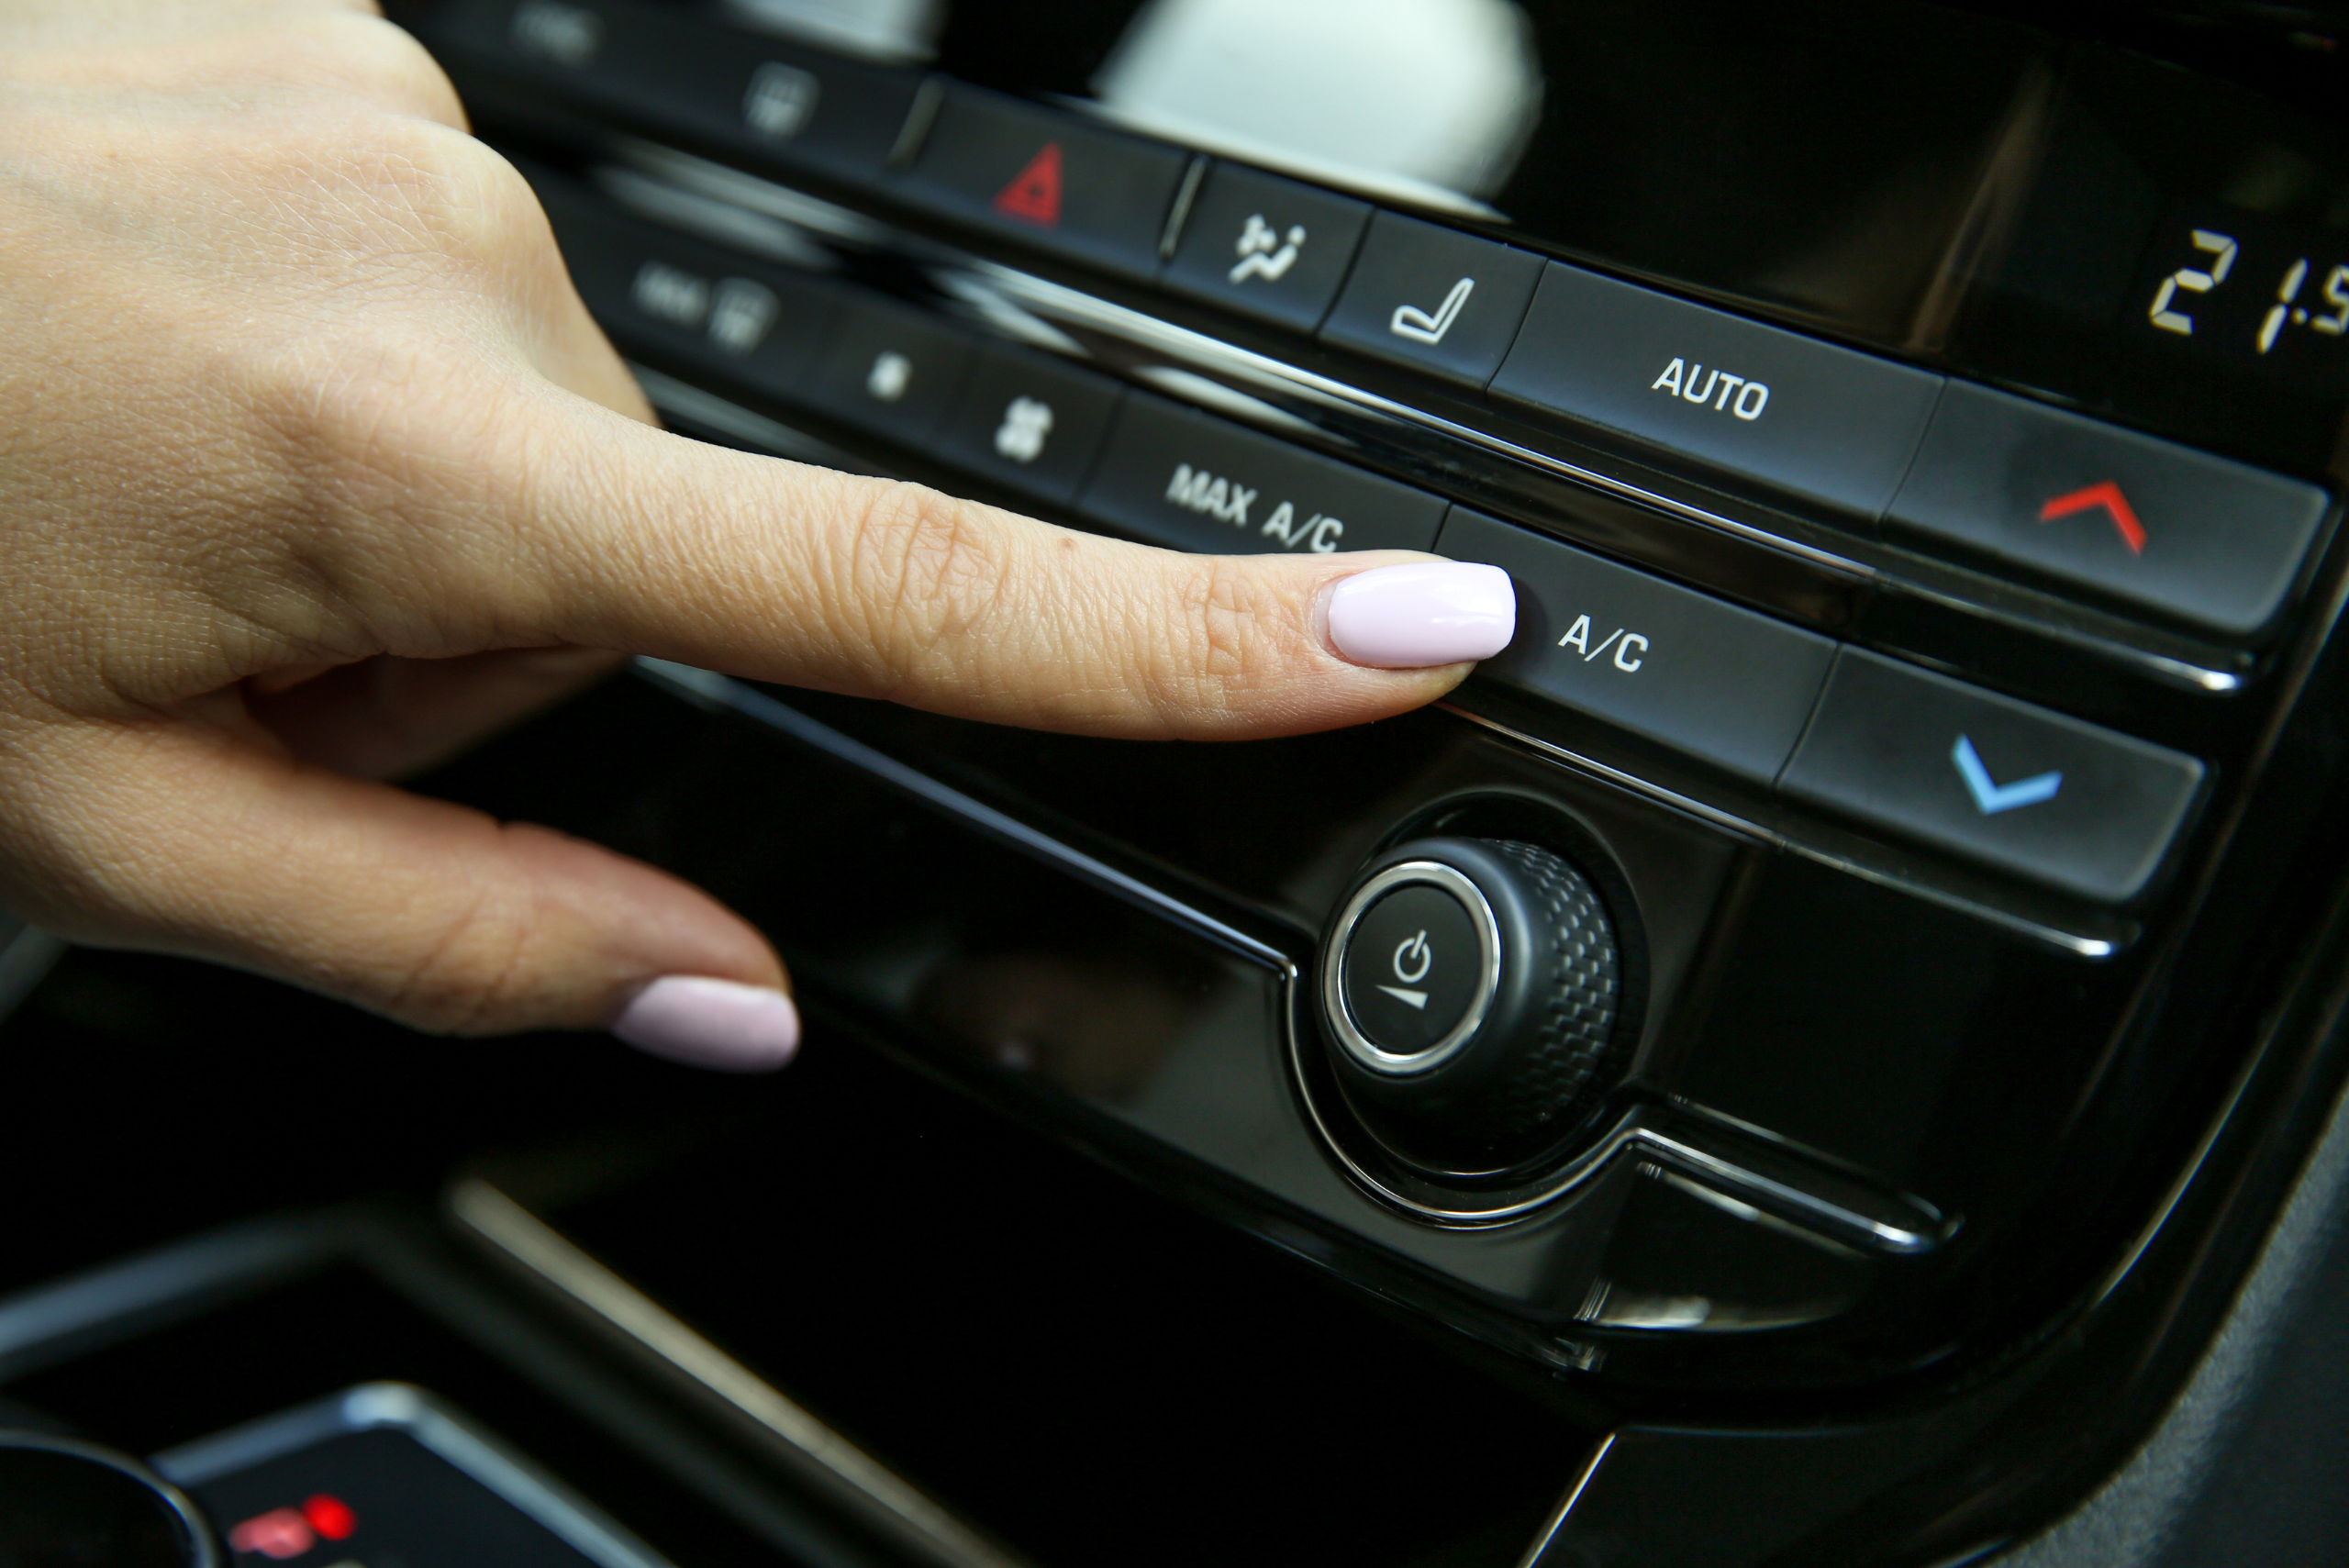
1473,990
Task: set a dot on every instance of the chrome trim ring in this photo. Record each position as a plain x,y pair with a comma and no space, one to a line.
1488,978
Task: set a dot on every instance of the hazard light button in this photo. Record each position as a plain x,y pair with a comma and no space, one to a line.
1048,179
2217,542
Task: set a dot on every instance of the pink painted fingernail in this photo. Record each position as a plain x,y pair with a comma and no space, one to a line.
1422,613
711,1023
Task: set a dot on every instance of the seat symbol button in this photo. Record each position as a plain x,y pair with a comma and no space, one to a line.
1430,326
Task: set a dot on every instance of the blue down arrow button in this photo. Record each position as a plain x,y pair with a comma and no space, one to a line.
1991,799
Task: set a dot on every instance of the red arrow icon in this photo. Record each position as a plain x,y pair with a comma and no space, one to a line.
1034,194
2107,496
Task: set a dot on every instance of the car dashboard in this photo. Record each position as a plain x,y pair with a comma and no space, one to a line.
1824,1050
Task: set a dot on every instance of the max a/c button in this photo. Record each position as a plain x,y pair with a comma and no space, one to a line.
2043,795
1188,482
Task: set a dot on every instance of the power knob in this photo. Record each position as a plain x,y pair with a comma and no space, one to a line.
1473,994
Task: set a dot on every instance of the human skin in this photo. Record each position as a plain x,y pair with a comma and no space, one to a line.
314,470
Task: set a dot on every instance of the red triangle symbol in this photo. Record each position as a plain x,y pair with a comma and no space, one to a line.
1034,193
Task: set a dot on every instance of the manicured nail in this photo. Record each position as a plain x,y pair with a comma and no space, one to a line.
711,1023
1422,613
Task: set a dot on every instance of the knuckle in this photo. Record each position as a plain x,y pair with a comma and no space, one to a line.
1223,607
925,570
474,974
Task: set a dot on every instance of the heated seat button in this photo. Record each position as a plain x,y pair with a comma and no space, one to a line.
1433,298
1795,414
1662,660
1029,421
749,94
1047,178
890,369
1188,482
1412,966
1266,247
2147,520
2038,794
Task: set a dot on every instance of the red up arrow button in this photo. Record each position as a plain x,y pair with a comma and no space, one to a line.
2108,495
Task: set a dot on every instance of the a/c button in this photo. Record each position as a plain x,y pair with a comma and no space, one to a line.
2035,793
1662,660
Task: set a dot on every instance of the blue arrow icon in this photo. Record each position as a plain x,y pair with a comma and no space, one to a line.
1994,798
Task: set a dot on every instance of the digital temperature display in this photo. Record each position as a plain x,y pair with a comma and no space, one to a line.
2263,296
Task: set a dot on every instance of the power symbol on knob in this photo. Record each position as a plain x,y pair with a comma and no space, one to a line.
1412,957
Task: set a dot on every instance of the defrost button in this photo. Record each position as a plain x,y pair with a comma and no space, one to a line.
669,294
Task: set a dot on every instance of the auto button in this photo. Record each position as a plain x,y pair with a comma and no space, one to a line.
2038,794
1823,422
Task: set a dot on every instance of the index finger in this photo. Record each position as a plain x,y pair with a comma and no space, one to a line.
615,535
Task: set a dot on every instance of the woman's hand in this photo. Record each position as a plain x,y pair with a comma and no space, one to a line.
313,469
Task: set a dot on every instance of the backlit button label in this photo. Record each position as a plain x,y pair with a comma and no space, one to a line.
1744,398
1188,482
1682,668
2147,520
1822,421
1027,421
1630,647
1033,195
567,35
2105,496
1227,501
1264,252
1430,326
671,294
780,100
1433,298
2042,794
1991,798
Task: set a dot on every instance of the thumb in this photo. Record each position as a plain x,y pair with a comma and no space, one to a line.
188,839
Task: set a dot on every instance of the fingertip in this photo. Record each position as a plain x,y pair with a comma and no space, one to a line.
1419,615
705,1022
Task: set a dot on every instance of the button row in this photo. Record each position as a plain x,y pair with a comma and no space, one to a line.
2213,541
657,63
2147,522
1036,424
2037,794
